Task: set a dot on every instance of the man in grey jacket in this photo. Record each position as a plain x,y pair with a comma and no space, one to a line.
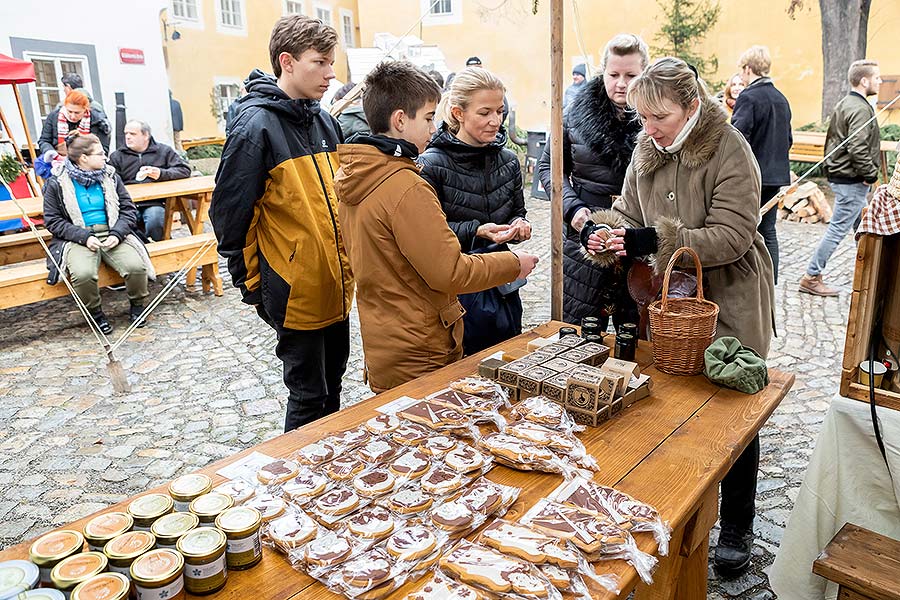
852,170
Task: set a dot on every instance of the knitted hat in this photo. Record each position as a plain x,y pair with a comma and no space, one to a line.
580,69
894,185
473,61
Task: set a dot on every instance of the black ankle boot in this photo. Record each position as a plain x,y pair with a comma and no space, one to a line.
102,322
733,551
136,310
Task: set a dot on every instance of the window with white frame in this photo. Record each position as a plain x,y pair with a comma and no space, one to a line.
185,10
231,14
224,94
48,71
441,12
348,28
323,13
294,7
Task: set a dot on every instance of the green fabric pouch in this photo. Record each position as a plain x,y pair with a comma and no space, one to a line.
732,365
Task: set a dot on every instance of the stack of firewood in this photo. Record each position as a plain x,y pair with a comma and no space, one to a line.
807,205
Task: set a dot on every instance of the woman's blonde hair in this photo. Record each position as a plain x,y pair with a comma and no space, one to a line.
624,44
667,78
465,84
758,59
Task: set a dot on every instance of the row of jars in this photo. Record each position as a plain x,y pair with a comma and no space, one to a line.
193,550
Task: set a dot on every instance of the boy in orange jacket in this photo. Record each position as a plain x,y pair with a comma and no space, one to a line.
408,264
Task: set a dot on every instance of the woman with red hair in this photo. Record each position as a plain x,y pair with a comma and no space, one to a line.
73,115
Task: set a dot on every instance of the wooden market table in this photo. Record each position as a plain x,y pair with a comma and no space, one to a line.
670,450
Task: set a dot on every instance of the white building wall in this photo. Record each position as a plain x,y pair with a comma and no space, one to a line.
107,25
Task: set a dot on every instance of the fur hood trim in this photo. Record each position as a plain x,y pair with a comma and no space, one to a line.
666,242
607,131
613,220
698,149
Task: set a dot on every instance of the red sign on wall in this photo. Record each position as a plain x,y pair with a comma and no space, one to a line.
131,56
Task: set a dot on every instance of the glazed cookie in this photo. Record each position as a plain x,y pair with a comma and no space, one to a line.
587,531
440,587
327,550
410,434
464,458
483,497
438,445
308,484
292,530
315,453
374,483
532,432
382,424
558,577
369,570
377,592
412,464
539,409
338,501
524,542
426,562
461,401
374,522
496,572
452,516
238,489
441,481
409,501
268,505
277,471
516,450
411,544
479,386
433,415
351,438
344,467
378,451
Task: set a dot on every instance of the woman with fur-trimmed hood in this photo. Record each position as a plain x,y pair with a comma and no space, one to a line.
598,139
693,181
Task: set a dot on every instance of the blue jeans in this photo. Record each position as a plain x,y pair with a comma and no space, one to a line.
154,221
849,200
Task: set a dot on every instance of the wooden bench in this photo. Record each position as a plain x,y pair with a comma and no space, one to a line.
25,283
21,247
202,141
809,147
864,564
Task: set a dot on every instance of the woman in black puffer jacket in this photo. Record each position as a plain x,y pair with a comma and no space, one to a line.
479,183
598,138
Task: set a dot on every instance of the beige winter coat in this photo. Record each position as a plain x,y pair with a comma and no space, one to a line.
408,266
706,196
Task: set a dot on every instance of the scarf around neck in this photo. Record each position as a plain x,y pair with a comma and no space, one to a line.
62,124
85,178
676,145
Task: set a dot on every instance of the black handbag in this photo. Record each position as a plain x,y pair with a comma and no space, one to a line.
493,315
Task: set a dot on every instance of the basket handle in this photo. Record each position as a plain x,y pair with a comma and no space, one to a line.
671,265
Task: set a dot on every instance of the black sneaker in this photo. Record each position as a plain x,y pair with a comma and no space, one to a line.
102,322
135,313
733,551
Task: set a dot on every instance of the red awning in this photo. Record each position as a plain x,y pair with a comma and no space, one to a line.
13,70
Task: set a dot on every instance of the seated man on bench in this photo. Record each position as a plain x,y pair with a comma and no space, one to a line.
144,160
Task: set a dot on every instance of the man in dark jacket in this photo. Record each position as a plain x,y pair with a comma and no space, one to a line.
143,160
763,115
274,212
852,170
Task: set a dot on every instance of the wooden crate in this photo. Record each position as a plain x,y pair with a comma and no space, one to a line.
876,281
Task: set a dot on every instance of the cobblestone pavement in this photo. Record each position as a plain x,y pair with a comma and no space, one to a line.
206,384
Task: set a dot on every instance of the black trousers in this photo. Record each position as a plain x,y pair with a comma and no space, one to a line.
739,489
767,226
314,363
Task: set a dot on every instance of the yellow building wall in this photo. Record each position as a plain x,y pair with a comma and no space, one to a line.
515,44
201,58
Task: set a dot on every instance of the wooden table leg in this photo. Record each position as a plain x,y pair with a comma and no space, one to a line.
211,279
171,206
683,574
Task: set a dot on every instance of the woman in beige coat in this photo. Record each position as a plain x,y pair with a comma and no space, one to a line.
693,181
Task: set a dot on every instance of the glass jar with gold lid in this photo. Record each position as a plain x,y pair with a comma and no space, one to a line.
105,586
209,506
42,594
71,571
102,528
157,575
205,570
172,526
122,550
241,526
50,549
149,508
187,487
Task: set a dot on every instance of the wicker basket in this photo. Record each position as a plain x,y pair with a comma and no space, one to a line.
681,329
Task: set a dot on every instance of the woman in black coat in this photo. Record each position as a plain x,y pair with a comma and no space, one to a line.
479,183
75,114
599,135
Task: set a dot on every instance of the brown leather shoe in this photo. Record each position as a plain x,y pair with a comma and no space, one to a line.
813,284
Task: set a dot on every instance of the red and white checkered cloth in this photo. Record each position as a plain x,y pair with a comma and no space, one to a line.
883,214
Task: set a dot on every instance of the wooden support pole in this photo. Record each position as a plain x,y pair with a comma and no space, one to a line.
31,149
556,158
15,147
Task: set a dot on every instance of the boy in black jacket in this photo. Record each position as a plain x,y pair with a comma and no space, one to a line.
274,212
